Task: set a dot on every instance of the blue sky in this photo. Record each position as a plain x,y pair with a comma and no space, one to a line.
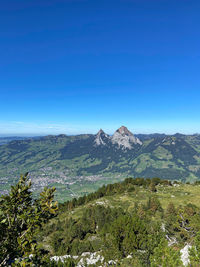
74,66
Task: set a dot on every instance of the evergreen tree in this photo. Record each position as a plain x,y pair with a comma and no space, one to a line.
171,211
154,205
165,256
195,251
152,187
21,217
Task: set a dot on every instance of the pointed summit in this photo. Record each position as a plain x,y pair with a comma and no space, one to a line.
124,138
100,132
124,131
101,138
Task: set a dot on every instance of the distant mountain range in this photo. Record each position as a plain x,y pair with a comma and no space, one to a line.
5,140
64,159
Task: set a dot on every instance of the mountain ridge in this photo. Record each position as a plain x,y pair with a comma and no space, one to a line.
122,137
83,162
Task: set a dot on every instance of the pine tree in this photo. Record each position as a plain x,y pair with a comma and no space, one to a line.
21,217
195,251
152,187
165,256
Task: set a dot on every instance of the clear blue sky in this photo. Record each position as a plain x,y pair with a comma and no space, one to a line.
77,66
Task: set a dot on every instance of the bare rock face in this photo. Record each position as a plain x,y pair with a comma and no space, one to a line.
101,138
185,255
124,138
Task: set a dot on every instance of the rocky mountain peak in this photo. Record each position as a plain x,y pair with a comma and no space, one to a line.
124,131
101,132
101,138
124,138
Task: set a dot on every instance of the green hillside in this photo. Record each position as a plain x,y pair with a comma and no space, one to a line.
134,223
137,222
76,166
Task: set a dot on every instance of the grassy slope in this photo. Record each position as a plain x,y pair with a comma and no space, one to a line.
178,195
181,194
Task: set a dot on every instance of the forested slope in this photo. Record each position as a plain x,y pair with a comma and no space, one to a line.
139,222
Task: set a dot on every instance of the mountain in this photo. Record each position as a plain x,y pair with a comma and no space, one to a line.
101,138
124,138
144,137
80,164
5,140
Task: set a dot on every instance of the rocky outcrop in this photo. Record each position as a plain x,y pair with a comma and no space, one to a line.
101,138
124,138
185,255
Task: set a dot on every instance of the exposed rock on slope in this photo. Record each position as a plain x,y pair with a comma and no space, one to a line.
124,138
101,138
185,255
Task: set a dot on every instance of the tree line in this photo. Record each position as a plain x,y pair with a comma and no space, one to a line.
128,185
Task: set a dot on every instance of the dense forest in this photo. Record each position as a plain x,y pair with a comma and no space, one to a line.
132,223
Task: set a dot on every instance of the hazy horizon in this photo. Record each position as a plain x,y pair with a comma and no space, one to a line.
93,132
